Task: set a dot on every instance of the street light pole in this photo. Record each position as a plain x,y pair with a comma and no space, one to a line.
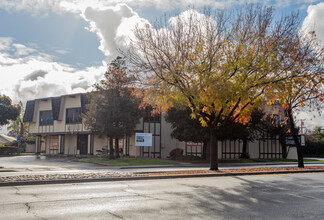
301,125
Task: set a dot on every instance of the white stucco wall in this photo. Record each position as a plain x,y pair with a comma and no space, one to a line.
69,101
133,150
292,153
168,143
30,148
99,143
40,105
254,149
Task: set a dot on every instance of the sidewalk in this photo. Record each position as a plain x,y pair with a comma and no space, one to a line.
12,178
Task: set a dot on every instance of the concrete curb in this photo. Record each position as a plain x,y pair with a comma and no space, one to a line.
113,179
221,165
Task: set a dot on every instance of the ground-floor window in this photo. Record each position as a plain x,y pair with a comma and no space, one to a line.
270,147
194,149
231,149
54,146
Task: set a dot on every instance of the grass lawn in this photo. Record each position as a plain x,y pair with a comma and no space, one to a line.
192,159
263,160
124,161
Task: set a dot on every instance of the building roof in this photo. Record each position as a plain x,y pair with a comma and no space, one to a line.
29,111
56,106
6,139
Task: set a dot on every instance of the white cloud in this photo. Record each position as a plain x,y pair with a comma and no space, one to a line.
22,50
310,119
6,59
38,7
41,7
28,74
113,26
36,75
5,43
62,51
314,20
35,7
11,53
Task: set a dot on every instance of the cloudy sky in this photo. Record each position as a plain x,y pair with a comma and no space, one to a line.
55,47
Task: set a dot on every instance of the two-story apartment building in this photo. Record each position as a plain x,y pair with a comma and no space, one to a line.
58,127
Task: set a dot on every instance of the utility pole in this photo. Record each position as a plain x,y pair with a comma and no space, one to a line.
302,125
20,135
21,129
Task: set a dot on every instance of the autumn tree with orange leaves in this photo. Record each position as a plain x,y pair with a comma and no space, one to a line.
305,92
221,64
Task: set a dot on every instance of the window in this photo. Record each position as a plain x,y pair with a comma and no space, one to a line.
73,116
46,118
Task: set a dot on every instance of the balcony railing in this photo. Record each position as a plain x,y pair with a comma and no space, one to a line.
46,129
74,128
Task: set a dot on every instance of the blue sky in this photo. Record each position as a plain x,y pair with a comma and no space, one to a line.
61,35
50,48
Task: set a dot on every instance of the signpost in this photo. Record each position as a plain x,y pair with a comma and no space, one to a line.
289,139
19,140
143,140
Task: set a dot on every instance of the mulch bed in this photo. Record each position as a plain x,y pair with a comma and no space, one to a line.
159,174
62,176
236,171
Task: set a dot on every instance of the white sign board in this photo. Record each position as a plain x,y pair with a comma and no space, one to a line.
291,142
143,139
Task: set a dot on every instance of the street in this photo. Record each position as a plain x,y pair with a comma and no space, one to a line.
294,196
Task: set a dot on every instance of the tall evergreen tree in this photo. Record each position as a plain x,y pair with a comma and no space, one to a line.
114,109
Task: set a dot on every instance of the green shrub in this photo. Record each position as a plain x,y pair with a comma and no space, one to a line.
175,153
314,148
8,150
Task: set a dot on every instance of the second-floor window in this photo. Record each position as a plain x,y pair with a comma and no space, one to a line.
73,116
46,118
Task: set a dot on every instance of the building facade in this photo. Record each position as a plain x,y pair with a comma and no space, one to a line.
58,127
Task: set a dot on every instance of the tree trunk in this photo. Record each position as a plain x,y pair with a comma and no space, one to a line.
283,146
295,136
204,152
111,148
213,150
244,150
117,148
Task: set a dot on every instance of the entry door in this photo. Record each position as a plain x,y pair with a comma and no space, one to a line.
83,143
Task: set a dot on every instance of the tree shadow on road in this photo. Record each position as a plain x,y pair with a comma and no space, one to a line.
258,198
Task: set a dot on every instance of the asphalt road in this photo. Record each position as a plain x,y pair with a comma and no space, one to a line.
297,196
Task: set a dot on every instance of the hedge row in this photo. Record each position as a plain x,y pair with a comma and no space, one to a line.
8,150
314,148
